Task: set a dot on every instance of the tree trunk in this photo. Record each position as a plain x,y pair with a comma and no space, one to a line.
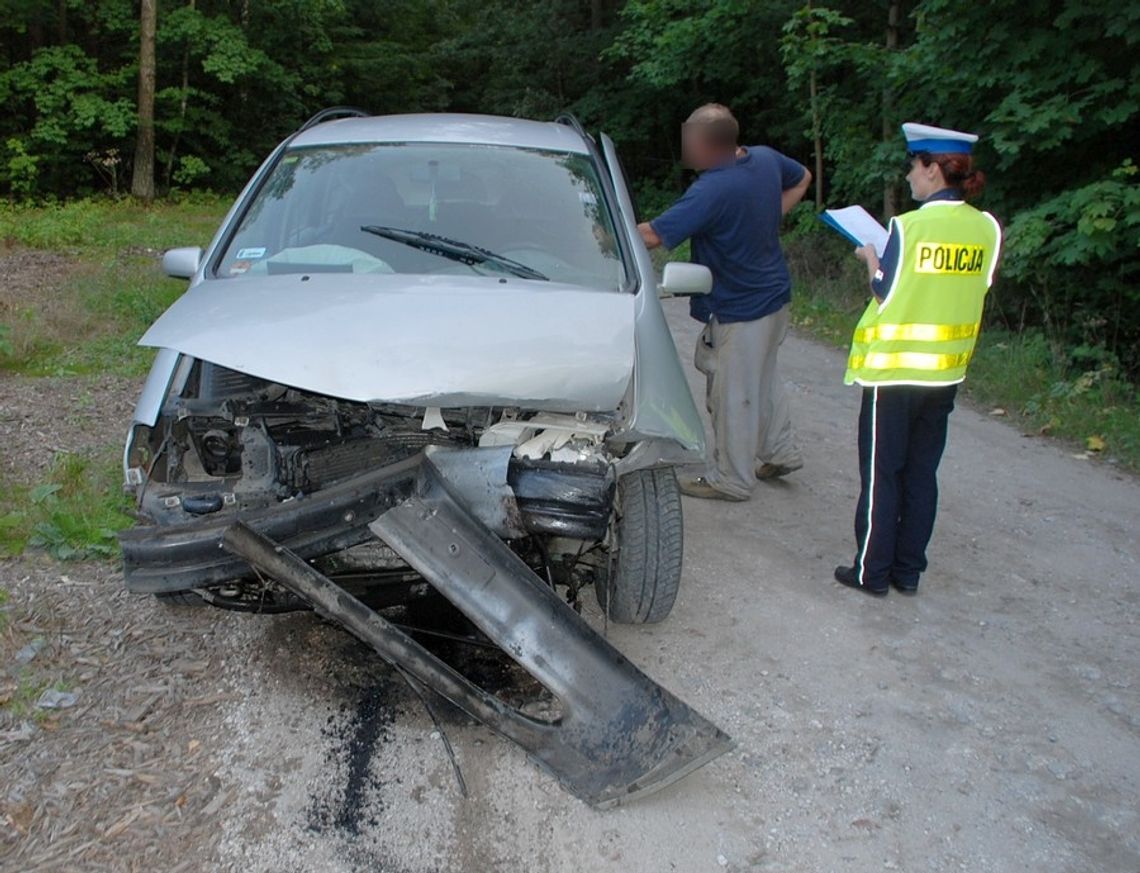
817,136
142,181
597,14
243,89
182,103
890,189
35,34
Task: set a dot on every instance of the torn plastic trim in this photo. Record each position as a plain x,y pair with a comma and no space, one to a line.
649,453
620,736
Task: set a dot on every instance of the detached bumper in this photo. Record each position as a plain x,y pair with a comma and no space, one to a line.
160,558
512,498
618,735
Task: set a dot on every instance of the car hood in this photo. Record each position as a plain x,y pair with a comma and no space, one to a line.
420,340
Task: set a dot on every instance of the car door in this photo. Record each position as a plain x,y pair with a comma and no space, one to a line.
663,406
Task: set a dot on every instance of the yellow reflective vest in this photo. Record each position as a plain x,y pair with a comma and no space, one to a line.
924,330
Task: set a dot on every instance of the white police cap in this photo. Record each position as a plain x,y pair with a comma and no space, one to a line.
937,140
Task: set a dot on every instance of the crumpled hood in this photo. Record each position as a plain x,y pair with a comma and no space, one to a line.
419,340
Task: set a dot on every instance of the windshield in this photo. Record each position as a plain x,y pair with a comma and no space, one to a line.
319,210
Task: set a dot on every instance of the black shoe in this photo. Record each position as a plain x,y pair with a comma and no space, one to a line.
908,590
849,576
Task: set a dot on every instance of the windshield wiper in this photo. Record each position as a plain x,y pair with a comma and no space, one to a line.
445,247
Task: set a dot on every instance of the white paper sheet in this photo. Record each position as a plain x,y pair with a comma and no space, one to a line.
858,225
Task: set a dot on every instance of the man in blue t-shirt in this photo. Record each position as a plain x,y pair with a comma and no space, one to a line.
732,214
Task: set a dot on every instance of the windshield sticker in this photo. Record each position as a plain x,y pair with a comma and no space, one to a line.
251,254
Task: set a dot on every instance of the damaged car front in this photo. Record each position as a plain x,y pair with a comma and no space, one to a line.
412,309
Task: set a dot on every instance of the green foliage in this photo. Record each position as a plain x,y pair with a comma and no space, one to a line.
1052,86
99,225
54,226
830,290
1049,79
190,170
1078,255
1053,393
687,53
808,43
215,42
70,108
20,168
73,514
1096,225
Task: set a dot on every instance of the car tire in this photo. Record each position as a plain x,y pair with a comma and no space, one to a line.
179,599
645,555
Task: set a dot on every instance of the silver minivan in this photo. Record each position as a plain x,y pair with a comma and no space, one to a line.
424,366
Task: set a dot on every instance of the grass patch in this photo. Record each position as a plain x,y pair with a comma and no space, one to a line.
112,225
95,325
74,513
20,700
83,309
1031,379
1044,389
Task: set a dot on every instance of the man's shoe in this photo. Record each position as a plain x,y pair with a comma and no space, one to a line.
849,576
775,471
699,486
908,590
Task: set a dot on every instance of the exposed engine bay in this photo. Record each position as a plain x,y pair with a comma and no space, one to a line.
227,444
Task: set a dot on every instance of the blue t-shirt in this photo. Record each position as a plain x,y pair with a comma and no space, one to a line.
732,215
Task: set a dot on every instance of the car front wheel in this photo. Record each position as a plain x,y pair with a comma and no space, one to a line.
646,548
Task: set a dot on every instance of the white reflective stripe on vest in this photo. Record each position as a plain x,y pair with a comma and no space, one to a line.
908,361
929,333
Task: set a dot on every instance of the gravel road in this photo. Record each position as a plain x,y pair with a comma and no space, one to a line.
990,724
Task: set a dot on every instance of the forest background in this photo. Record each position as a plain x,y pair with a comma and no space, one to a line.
135,120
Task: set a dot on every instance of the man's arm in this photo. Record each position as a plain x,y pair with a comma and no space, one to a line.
684,219
796,193
649,235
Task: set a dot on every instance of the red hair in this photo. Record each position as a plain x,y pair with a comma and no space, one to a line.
958,171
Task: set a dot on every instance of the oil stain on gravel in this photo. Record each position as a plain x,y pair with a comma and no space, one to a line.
356,735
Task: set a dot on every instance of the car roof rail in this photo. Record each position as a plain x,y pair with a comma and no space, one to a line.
334,112
571,121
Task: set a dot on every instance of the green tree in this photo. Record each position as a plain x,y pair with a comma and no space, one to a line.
142,180
808,50
62,108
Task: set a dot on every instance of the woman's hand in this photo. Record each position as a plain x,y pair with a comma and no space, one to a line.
870,257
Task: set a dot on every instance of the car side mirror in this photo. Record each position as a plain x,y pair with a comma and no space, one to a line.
685,280
182,263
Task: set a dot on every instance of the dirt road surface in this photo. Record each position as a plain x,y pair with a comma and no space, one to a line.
990,724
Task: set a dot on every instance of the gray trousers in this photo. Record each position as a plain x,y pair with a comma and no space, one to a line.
751,415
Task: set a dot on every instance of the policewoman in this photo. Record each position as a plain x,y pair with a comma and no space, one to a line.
910,352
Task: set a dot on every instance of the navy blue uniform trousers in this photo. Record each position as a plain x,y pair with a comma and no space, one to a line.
902,434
